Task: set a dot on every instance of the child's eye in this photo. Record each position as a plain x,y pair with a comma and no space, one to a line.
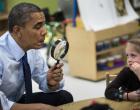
133,55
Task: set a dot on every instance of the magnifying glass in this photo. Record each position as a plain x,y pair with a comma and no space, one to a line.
59,49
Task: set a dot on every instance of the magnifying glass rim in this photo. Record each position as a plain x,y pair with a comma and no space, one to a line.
55,45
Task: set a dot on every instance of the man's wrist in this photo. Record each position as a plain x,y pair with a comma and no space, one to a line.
53,87
49,85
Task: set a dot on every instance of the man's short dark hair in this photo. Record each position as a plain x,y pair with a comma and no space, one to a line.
20,14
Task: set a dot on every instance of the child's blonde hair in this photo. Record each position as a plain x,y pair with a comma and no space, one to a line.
136,41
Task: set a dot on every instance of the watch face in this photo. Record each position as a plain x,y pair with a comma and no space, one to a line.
120,96
59,49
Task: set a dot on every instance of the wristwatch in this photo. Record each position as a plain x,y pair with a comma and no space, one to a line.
120,97
120,94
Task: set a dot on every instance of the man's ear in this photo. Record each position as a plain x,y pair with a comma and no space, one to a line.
16,30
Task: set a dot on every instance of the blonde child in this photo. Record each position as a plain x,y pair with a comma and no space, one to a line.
126,86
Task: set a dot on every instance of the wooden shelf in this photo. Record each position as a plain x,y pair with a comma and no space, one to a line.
114,49
2,32
120,30
102,74
82,55
3,22
4,19
3,16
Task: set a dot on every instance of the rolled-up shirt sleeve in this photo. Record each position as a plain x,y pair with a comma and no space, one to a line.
5,104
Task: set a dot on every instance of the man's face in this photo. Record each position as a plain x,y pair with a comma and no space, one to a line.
33,33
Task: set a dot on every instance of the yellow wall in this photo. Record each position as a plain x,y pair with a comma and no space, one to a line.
51,4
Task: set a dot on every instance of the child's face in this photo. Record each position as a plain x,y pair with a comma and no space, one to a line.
132,55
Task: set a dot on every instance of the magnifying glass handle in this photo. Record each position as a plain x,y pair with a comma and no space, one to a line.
57,62
54,64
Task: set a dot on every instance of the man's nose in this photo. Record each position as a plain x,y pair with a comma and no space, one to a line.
44,31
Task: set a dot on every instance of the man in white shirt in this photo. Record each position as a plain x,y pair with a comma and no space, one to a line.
26,35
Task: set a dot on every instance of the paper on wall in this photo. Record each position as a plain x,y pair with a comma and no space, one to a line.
131,14
101,14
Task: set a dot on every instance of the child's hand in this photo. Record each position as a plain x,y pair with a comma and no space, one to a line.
134,96
138,91
135,67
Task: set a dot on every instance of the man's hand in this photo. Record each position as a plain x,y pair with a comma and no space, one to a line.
36,106
55,75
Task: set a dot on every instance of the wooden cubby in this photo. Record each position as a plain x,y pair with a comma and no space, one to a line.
82,55
3,22
3,19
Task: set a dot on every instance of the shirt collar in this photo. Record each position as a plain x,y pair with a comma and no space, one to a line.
15,49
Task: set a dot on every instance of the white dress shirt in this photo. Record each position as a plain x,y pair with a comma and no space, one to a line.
11,71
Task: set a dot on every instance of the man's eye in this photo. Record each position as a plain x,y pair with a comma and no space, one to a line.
38,26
